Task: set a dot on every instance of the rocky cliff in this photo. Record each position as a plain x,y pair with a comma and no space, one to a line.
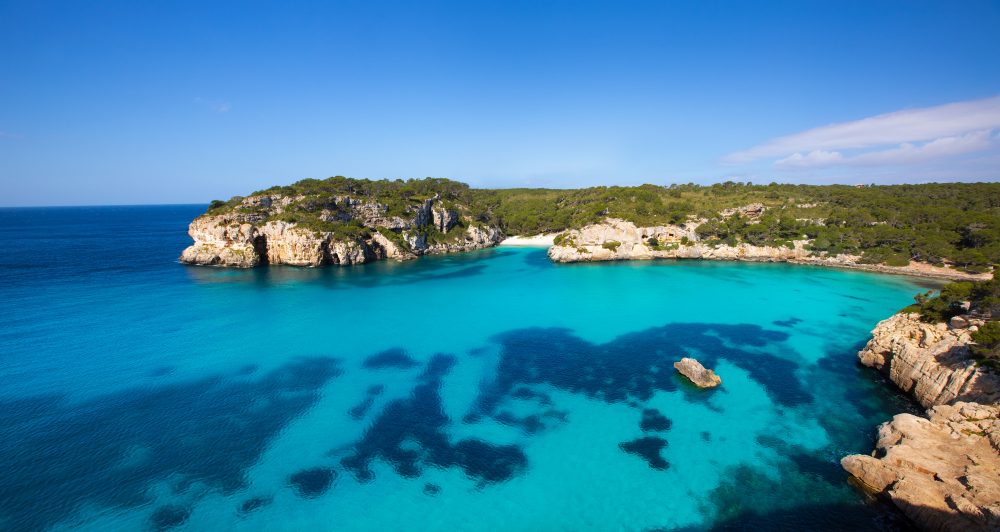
616,239
620,240
941,471
342,230
932,362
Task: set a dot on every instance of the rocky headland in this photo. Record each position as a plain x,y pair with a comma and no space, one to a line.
359,231
943,472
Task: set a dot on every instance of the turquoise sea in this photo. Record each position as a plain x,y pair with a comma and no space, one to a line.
485,391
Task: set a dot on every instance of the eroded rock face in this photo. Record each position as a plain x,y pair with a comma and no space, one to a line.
941,472
930,361
242,239
596,243
753,211
693,370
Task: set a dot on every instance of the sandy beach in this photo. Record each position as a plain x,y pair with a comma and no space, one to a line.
541,241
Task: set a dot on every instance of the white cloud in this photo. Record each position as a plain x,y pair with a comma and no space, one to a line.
906,154
815,159
10,135
909,125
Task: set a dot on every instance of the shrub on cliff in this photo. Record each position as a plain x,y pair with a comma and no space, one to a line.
987,346
394,237
611,245
945,305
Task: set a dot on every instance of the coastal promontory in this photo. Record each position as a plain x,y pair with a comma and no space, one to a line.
316,227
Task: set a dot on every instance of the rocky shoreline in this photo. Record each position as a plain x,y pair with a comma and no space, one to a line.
248,236
942,472
620,240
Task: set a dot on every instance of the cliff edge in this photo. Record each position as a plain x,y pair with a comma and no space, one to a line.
341,230
942,472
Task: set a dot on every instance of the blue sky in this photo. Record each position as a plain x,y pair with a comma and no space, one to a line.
131,102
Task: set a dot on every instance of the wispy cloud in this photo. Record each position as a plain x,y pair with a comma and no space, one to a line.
215,105
906,154
950,129
10,135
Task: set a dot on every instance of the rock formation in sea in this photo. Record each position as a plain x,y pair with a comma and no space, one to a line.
941,471
693,370
359,231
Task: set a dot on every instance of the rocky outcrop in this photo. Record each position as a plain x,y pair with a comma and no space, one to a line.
693,370
444,218
930,361
620,240
616,239
249,236
224,241
941,472
752,211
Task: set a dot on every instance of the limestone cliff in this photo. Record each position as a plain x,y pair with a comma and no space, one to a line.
620,240
942,471
930,361
253,233
616,239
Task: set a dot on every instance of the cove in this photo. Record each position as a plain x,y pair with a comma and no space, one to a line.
491,390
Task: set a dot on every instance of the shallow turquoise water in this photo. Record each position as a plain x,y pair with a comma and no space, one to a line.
485,391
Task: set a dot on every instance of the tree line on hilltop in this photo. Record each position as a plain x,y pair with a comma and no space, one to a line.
953,223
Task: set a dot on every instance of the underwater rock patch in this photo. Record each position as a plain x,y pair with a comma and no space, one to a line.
648,448
362,408
312,483
390,358
167,517
410,433
654,421
231,417
252,504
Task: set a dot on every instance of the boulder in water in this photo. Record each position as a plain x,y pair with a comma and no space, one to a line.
692,369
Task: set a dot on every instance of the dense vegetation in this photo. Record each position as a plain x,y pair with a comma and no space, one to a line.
983,299
935,223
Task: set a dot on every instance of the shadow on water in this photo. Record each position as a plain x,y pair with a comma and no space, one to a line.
811,518
748,499
109,451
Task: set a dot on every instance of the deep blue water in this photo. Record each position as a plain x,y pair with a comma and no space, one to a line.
492,390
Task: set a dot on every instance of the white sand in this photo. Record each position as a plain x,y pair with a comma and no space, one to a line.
530,241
